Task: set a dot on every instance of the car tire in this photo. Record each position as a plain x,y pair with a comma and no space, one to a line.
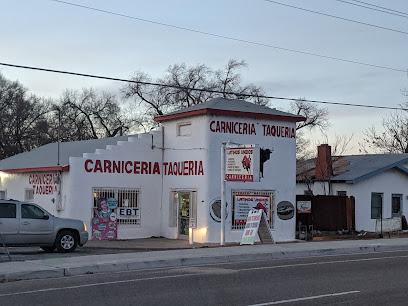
66,241
48,249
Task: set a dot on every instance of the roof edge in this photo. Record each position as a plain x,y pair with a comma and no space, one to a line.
40,169
395,165
211,111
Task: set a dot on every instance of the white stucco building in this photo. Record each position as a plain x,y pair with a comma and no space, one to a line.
378,182
163,182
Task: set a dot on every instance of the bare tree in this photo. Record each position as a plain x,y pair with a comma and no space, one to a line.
186,86
393,138
23,119
90,115
316,118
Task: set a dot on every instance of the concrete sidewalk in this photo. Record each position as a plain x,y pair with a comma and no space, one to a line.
58,267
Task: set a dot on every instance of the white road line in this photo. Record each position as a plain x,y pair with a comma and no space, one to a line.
322,263
96,284
305,298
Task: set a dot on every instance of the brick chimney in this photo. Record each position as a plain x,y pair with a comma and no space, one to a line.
324,162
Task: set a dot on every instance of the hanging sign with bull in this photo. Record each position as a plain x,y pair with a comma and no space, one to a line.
239,164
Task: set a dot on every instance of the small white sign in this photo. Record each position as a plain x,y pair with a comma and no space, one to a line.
192,223
304,207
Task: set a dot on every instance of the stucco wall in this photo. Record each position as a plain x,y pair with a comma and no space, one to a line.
197,145
46,191
388,183
79,197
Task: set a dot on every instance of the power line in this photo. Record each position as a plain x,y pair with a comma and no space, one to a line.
337,17
198,89
381,7
382,10
234,38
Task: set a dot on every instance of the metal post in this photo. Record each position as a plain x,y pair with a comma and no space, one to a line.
59,135
5,247
381,216
223,193
191,236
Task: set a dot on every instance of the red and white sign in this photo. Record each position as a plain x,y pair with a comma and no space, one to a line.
239,164
244,203
304,207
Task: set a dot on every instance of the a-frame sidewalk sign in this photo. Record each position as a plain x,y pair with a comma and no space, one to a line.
257,224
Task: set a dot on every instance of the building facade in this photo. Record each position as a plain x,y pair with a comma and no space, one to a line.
167,182
378,182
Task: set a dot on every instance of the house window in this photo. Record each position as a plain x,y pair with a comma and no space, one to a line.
342,193
29,195
396,204
376,205
2,194
184,129
128,199
307,192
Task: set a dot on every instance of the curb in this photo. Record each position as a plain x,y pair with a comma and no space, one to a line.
41,272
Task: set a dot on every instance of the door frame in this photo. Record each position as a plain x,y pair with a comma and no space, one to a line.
193,197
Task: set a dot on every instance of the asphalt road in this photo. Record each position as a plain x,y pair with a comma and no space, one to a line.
369,279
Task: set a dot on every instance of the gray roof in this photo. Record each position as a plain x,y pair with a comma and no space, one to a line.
47,155
356,168
231,105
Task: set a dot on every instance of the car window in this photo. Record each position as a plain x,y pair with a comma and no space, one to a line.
31,212
7,210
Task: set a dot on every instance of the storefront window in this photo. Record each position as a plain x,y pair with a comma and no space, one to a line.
128,204
244,201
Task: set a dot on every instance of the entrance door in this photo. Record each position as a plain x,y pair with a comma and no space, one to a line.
184,213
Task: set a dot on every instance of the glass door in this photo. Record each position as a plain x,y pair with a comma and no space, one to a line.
184,213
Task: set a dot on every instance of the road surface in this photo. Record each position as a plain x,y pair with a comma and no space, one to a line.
368,279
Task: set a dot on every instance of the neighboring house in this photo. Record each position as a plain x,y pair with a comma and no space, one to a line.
378,182
168,182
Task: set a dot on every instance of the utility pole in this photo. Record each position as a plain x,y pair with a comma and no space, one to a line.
222,242
59,135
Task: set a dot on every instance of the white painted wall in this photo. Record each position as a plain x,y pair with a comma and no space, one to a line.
78,191
388,183
15,185
279,175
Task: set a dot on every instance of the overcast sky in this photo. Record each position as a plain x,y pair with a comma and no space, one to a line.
49,34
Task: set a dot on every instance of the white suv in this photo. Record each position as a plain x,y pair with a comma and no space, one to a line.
24,224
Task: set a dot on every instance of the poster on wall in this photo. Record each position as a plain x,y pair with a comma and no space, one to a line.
244,203
239,164
104,221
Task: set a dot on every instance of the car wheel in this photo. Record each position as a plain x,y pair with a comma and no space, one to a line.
66,241
48,249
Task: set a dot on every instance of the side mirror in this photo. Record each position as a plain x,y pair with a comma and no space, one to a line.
46,217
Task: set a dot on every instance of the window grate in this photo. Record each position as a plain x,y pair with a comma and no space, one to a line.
128,199
266,193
